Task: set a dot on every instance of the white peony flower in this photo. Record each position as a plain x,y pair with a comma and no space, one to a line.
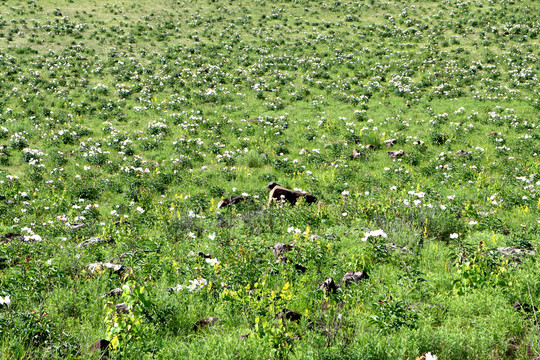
212,261
5,300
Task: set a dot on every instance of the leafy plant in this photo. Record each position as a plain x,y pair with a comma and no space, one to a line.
126,324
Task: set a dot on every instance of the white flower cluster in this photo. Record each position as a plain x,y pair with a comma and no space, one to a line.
5,301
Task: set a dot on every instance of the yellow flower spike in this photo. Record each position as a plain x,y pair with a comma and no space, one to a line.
114,342
286,286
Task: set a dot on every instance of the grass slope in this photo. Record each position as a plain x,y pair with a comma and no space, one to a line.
129,121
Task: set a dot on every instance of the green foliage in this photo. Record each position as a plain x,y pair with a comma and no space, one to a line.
123,125
479,268
392,315
126,327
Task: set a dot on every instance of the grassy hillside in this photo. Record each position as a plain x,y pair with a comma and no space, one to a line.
123,124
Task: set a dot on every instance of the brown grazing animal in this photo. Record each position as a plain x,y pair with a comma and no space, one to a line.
278,193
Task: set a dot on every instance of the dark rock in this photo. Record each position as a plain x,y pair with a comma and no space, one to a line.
10,237
371,147
230,201
513,251
203,255
279,249
462,153
122,308
419,143
280,193
330,236
394,247
396,154
300,268
328,285
390,142
358,154
93,241
77,226
205,323
288,315
525,307
102,346
284,259
113,292
133,253
353,276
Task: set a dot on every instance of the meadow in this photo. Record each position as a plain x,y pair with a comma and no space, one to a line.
124,123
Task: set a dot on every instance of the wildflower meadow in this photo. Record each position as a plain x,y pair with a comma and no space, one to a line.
137,140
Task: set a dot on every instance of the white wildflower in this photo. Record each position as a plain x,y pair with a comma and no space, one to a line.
212,262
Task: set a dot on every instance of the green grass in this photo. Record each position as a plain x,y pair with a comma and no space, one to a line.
136,118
